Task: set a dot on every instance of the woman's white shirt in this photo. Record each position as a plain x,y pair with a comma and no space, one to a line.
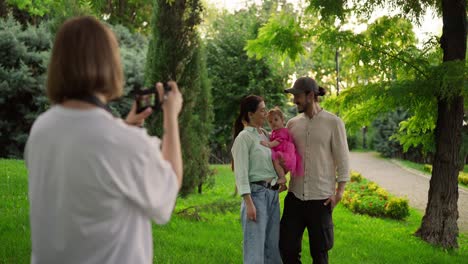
94,185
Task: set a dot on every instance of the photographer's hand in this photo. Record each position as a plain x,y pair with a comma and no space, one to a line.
172,101
135,119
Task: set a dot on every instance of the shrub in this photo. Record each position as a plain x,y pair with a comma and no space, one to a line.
370,205
463,178
365,197
427,168
25,52
397,208
381,192
356,177
372,186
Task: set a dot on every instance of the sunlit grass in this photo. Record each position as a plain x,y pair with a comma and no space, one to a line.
215,235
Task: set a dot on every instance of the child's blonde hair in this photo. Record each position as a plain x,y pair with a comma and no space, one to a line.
276,111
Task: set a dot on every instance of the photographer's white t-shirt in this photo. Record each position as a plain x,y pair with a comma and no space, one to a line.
94,185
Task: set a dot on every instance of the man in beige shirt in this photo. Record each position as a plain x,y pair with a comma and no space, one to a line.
320,138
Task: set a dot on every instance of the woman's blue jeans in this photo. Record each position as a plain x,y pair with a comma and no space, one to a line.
261,238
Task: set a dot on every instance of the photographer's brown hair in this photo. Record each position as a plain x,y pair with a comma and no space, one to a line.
85,60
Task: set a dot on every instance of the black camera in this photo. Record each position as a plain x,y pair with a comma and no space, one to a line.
149,97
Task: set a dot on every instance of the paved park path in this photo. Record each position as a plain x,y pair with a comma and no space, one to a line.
404,182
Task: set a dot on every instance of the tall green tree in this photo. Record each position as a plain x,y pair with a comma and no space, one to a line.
433,92
439,224
175,54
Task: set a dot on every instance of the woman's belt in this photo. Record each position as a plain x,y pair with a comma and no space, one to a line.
267,185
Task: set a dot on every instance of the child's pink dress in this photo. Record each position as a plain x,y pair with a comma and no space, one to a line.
286,150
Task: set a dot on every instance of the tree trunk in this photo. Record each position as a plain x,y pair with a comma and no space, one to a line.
121,11
21,16
364,138
3,9
439,224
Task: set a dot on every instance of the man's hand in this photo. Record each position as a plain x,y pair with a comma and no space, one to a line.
282,188
334,200
135,119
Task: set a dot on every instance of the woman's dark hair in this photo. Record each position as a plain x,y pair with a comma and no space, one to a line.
249,104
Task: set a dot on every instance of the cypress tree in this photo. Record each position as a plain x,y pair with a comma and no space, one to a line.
175,54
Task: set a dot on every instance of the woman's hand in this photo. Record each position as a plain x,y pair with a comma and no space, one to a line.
135,119
172,102
251,212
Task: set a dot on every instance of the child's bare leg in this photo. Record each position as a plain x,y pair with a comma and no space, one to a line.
280,171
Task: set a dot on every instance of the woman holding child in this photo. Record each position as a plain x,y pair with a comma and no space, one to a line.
256,182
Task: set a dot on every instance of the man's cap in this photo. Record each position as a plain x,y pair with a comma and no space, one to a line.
304,85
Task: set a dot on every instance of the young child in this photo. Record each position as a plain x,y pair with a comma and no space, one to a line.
282,147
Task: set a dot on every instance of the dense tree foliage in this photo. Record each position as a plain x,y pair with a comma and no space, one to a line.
235,75
175,53
133,14
25,53
384,140
23,65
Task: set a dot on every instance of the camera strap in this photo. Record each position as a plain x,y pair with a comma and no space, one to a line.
91,99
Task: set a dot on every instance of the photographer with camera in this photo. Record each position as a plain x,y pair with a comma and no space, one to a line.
96,181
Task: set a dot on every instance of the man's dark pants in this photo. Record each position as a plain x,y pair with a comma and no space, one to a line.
298,215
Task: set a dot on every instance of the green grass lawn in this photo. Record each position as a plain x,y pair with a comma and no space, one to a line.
413,165
211,233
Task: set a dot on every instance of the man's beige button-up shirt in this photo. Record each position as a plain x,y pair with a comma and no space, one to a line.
321,142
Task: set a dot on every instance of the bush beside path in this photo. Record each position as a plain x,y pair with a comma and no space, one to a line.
401,182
